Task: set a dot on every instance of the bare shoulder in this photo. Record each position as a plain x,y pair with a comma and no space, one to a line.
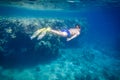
72,29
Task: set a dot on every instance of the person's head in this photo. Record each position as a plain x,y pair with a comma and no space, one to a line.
77,26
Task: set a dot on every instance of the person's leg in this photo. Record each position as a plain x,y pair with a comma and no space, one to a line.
42,32
60,33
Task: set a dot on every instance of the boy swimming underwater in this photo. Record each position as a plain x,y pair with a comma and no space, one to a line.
69,34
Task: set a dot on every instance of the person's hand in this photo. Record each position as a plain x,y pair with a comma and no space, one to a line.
68,39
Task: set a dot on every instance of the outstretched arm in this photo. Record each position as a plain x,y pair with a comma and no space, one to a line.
68,39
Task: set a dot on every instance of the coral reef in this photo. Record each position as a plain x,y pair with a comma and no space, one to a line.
24,59
72,65
15,41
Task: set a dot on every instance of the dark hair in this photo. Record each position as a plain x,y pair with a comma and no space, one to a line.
78,26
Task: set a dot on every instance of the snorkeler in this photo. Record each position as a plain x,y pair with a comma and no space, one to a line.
69,34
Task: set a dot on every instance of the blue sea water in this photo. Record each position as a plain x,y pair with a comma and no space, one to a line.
94,55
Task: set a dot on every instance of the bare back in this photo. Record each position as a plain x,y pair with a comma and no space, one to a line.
74,31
